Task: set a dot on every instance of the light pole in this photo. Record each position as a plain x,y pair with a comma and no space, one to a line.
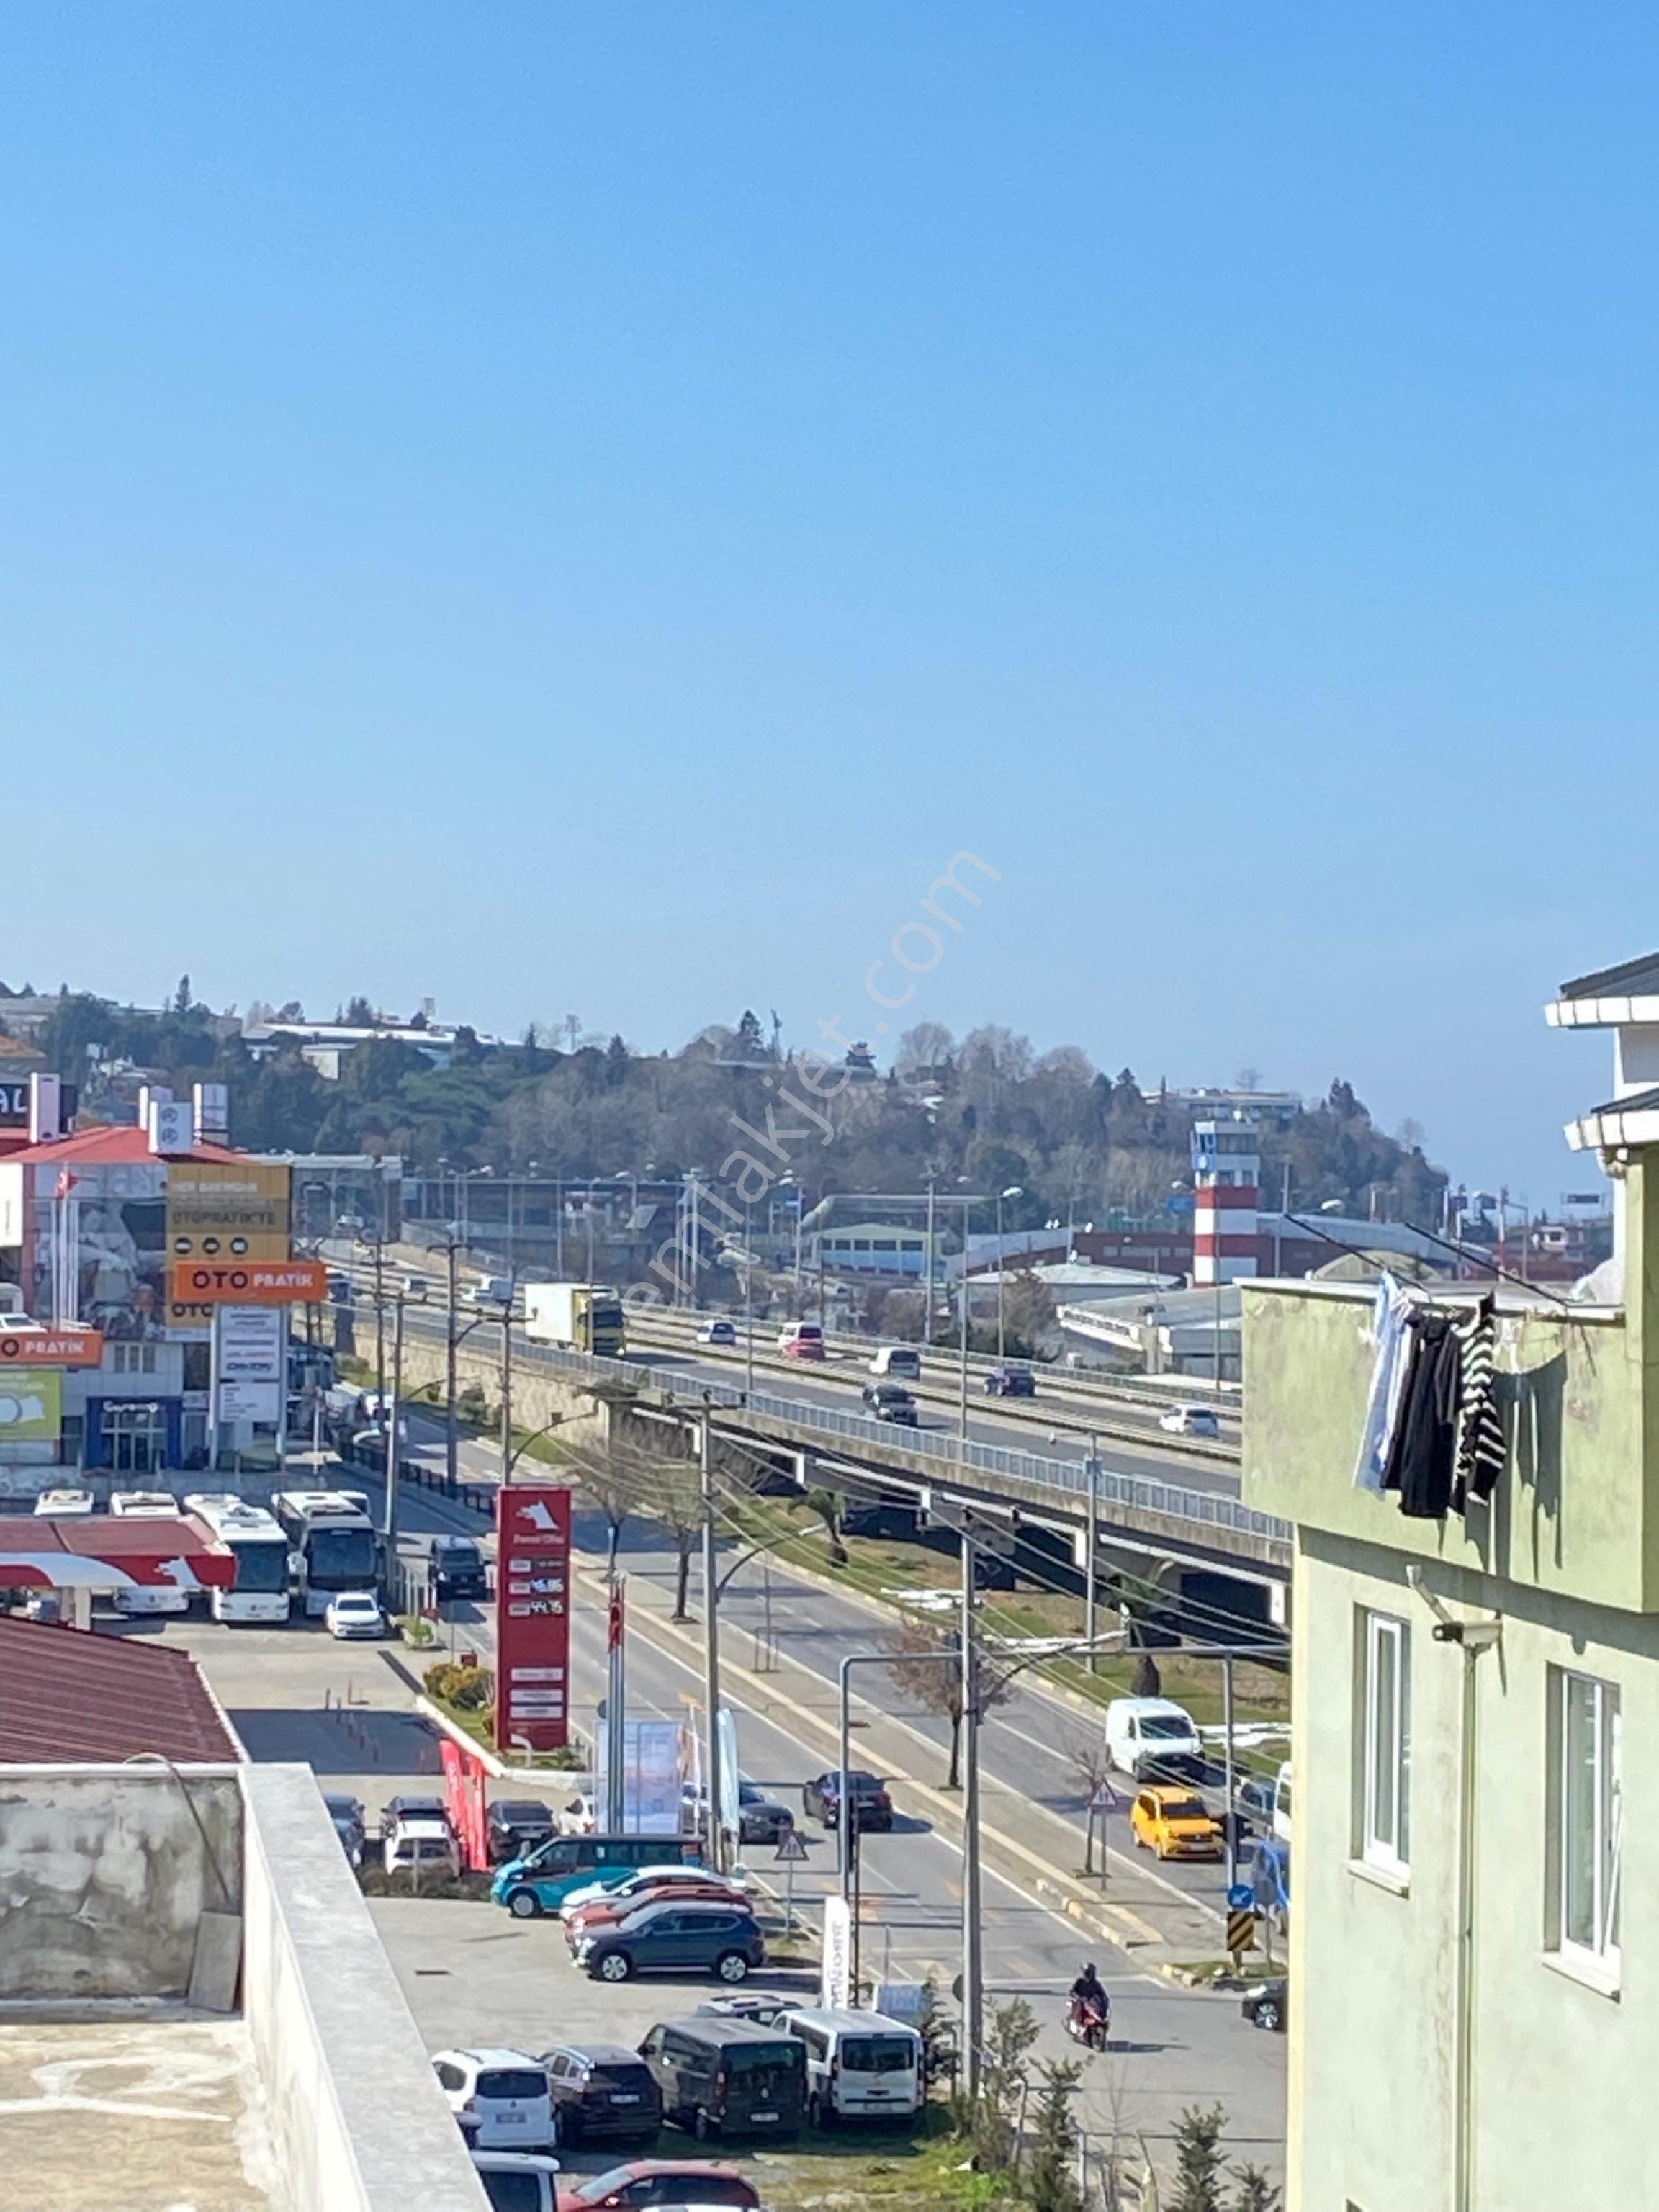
506,1389
711,1641
1090,1540
372,1244
1015,1191
391,1417
748,1304
973,1978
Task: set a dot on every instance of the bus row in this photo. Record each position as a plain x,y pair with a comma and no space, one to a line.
307,1547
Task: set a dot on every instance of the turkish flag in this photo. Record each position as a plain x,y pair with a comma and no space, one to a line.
613,1642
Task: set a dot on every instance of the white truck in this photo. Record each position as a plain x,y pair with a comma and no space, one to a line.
580,1317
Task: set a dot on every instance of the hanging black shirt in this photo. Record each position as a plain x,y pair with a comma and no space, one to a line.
1423,1453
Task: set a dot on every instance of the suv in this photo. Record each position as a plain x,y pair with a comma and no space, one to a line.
717,1332
1007,1381
1190,1421
701,1937
889,1401
418,1848
514,1826
502,2093
602,2090
872,1806
459,1568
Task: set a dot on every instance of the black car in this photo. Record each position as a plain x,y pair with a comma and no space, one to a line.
872,1806
889,1401
1007,1381
515,1826
695,1937
731,2075
602,2092
347,1814
761,1818
1265,2005
459,1568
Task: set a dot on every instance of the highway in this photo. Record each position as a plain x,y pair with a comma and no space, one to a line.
1170,2047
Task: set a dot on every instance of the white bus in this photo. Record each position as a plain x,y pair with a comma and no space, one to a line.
148,1597
65,1504
255,1542
333,1538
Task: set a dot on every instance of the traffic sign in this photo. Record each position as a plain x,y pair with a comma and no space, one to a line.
790,1846
1241,1897
1104,1799
1241,1932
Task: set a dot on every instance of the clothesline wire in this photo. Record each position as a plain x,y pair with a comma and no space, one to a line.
1461,1251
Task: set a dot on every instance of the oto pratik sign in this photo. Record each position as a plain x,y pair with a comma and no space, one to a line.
533,1616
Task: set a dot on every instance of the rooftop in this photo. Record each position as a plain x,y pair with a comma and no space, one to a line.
1631,978
168,2099
1611,998
120,1144
96,1697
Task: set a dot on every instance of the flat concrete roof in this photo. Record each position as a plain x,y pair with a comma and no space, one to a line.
143,2108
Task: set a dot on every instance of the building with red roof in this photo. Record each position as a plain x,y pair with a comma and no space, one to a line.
105,1698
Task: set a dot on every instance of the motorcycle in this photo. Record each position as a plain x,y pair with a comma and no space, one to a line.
1089,2025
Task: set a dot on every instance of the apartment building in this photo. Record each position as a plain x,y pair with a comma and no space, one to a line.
1475,1988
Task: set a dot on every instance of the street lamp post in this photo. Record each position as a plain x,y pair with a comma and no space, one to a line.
1015,1191
748,1304
506,1389
711,1644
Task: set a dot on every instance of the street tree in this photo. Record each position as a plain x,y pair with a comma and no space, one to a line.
1199,2162
1051,2180
926,1665
991,2125
1254,2193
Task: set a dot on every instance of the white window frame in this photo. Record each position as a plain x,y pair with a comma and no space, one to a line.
1383,1741
1599,1706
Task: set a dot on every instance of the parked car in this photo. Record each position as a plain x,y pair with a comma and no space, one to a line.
347,1814
1176,1825
504,2091
897,1363
860,2065
633,1886
1265,2005
1190,1421
1153,1737
730,2075
413,1805
1007,1380
717,1332
801,1339
889,1401
670,1937
872,1806
652,2181
518,2180
761,1818
515,1825
355,1612
598,1912
417,1847
548,1877
581,1817
602,2092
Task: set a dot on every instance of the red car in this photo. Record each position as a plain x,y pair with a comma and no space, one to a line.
646,2181
801,1339
604,1910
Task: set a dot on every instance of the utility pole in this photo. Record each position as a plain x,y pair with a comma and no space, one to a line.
1230,1818
451,1427
506,1390
393,1415
961,1379
1091,1540
711,1646
748,1306
973,1984
927,1292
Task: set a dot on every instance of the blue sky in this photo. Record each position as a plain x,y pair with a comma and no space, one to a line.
587,508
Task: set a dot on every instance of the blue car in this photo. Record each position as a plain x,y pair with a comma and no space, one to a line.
541,1881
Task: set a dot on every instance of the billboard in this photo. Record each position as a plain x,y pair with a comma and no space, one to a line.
533,1616
51,1347
251,1347
252,1283
653,1776
95,1248
223,1210
31,1406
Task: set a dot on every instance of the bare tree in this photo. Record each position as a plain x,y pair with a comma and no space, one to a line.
927,1666
1087,1759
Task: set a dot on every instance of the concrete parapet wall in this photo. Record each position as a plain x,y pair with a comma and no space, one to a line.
105,1873
359,2121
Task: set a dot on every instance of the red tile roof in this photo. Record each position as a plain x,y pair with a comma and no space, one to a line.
76,1694
120,1144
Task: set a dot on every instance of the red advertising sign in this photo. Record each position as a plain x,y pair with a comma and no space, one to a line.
51,1347
250,1282
463,1797
533,1616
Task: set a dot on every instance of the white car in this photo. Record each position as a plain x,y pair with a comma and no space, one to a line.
355,1612
419,1848
517,2180
505,2092
1190,1421
658,1879
581,1817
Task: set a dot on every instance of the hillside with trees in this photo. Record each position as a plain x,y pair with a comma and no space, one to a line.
988,1111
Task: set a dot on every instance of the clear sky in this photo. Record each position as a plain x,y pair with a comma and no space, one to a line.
585,509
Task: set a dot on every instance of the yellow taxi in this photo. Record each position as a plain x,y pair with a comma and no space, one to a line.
1176,1823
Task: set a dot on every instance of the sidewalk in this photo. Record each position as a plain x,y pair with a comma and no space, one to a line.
1036,1848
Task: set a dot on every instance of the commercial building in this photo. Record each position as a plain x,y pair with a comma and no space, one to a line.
90,1225
874,1248
1474,1977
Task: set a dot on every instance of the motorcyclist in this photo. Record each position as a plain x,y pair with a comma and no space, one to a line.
1089,1997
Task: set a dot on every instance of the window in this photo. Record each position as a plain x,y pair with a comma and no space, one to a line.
1584,1819
1382,1792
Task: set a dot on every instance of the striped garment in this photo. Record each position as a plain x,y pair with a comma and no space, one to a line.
1480,1442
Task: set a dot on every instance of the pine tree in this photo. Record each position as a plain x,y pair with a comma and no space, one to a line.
1255,2192
1051,2175
1198,2161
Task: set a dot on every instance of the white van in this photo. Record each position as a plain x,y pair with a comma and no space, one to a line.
902,1362
860,2065
1153,1739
